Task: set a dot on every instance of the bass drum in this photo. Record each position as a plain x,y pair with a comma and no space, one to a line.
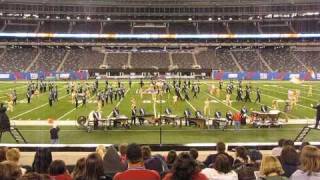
81,121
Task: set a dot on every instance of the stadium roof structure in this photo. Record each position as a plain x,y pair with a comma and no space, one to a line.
159,8
165,2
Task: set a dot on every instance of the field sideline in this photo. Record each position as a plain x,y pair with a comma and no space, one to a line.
64,110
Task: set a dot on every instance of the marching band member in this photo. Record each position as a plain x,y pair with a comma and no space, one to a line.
10,103
206,108
275,104
133,103
228,99
310,91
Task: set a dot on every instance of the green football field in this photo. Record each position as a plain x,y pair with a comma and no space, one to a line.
64,110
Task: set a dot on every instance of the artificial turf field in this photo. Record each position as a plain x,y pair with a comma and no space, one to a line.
64,110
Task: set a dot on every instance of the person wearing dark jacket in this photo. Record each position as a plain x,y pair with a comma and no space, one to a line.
289,160
4,119
317,107
54,134
221,148
112,163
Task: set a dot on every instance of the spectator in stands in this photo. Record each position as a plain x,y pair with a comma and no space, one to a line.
303,144
123,152
35,176
42,160
271,169
13,155
288,142
194,154
221,149
112,163
9,171
79,168
156,162
242,157
221,170
310,164
185,168
57,170
171,157
136,169
289,159
93,168
3,151
246,171
277,150
101,150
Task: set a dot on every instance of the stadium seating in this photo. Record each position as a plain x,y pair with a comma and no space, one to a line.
206,59
183,60
249,60
49,59
216,28
117,60
113,28
17,59
20,26
86,27
309,58
149,60
306,26
182,28
82,59
54,27
281,60
224,61
243,28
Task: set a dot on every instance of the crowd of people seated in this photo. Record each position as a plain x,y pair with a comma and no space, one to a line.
249,60
281,60
49,59
138,162
17,59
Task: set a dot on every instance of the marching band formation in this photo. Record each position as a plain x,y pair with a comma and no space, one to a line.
183,90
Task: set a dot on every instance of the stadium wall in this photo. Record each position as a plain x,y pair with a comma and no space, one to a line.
83,75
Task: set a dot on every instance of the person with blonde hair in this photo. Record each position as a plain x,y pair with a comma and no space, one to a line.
13,155
101,150
310,164
271,169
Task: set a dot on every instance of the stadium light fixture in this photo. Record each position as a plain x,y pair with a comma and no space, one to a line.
230,19
57,17
78,17
108,19
47,17
209,19
88,18
68,17
189,19
219,18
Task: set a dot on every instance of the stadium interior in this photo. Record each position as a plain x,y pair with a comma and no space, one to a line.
130,71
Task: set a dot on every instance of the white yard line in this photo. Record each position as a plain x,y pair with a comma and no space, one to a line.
66,113
303,97
117,105
191,105
38,107
221,102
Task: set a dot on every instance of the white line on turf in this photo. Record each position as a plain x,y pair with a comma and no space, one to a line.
221,101
38,107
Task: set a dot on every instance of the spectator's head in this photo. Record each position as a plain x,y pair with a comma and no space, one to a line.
172,156
222,164
146,152
303,144
184,167
280,142
13,154
134,153
57,167
270,165
32,176
42,160
242,153
288,142
255,155
93,167
310,159
194,153
79,168
289,156
221,147
3,152
101,150
123,149
112,162
9,170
